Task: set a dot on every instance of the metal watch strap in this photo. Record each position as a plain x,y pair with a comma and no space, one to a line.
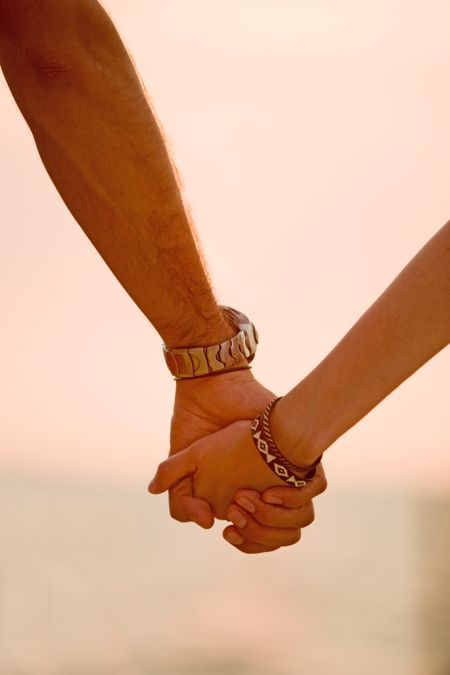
199,361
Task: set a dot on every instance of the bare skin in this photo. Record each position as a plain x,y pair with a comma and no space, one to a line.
101,144
404,328
205,407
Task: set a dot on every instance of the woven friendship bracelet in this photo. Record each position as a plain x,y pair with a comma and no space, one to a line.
306,474
293,475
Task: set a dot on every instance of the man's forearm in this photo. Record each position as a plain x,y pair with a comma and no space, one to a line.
98,138
404,328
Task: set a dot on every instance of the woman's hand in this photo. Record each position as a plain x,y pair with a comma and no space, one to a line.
223,464
269,526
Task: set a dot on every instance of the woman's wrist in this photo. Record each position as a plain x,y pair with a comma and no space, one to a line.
294,433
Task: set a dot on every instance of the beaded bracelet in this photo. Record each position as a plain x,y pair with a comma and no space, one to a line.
292,474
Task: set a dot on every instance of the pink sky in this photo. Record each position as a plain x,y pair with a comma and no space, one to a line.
316,136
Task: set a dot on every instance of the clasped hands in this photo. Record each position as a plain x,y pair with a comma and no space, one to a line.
215,471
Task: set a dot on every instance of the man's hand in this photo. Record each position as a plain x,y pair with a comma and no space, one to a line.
201,408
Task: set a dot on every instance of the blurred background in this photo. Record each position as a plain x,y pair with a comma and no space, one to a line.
316,135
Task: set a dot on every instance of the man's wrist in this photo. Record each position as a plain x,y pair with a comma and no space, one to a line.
202,331
215,357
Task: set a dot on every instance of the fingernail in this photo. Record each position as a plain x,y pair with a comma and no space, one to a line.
151,485
271,499
246,504
234,538
237,518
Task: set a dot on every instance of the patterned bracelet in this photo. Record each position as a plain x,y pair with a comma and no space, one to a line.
292,474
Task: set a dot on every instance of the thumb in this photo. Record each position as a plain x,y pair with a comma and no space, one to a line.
172,470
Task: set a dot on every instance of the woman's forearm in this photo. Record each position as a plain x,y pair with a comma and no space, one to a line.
406,326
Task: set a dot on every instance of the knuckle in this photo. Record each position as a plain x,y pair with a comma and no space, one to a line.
255,533
296,497
181,517
293,538
55,69
161,469
265,515
177,513
323,484
308,517
318,485
297,537
297,502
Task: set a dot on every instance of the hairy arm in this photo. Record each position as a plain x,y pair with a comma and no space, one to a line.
78,90
404,328
101,144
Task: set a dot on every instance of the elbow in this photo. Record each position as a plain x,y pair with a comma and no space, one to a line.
53,69
44,40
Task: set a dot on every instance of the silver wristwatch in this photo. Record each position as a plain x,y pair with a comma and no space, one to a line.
188,362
